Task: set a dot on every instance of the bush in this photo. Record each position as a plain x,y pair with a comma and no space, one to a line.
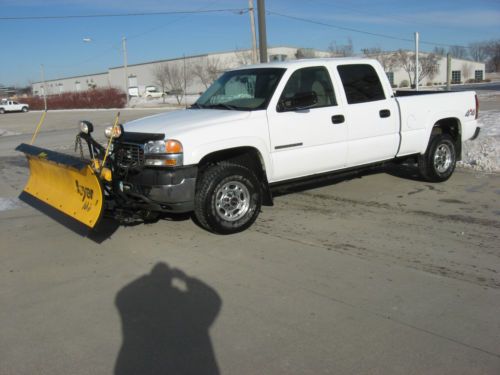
471,80
429,84
404,83
487,80
95,98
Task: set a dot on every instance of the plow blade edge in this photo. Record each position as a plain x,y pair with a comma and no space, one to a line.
65,183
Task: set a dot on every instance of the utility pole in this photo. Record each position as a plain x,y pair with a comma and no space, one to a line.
416,61
262,31
252,28
124,46
44,87
185,82
448,71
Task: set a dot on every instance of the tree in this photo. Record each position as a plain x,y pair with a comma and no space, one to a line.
173,79
466,71
388,60
478,51
243,57
207,72
305,53
345,50
458,52
428,65
160,75
440,51
493,48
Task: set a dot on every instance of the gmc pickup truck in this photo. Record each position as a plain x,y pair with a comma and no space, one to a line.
261,125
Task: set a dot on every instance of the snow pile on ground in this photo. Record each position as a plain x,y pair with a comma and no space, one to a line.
170,101
483,153
9,203
5,133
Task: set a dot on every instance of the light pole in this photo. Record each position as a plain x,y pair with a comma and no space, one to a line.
42,70
416,61
124,46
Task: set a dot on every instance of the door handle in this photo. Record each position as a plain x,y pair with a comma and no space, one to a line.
338,119
384,113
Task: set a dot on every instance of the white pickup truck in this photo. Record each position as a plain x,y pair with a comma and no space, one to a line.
13,106
262,125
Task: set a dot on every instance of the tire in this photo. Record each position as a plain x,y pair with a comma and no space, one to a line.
24,109
439,161
228,198
2,111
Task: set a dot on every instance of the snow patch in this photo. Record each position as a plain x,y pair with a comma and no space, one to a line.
6,133
483,153
9,204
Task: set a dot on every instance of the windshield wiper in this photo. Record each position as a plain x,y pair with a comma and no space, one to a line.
224,106
196,106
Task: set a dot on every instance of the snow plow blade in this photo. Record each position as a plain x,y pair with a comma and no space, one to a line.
66,183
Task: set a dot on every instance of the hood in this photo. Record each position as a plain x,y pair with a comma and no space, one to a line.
176,122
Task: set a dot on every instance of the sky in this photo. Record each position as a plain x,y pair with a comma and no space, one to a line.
59,44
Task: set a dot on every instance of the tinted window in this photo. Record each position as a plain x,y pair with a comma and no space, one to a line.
315,79
361,83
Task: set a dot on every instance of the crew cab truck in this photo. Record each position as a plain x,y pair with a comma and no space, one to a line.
266,124
13,106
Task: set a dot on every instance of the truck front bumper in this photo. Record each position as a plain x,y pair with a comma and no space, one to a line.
160,189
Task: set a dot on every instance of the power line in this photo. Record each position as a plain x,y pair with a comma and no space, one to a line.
386,36
141,14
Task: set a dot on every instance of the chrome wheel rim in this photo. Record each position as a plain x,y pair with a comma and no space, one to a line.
232,201
442,158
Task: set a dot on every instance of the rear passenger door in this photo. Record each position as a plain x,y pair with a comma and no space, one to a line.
372,119
307,141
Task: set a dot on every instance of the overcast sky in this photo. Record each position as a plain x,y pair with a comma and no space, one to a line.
59,43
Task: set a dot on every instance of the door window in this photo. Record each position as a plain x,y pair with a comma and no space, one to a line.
361,83
315,79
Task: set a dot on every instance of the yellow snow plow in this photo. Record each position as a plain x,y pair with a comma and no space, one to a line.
119,180
64,182
70,185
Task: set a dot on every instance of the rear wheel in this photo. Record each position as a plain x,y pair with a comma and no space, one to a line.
2,111
438,162
25,109
228,198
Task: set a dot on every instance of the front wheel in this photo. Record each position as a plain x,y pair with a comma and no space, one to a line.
228,198
2,111
438,162
25,109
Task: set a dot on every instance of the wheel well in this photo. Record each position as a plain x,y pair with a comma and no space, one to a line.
450,126
249,157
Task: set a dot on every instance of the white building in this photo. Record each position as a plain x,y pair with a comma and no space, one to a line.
140,76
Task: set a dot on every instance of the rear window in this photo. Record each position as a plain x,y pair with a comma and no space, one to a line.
361,83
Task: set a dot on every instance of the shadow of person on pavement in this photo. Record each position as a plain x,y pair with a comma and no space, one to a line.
165,318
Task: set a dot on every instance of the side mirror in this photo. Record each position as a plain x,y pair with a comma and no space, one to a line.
301,100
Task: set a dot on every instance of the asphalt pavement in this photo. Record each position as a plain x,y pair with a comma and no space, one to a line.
375,273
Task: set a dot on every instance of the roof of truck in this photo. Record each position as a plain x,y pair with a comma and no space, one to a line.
310,62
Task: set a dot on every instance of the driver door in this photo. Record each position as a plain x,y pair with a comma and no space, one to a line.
306,141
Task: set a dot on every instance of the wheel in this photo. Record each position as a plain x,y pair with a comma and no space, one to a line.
2,111
228,198
438,162
25,109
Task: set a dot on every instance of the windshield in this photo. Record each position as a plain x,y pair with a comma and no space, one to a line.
245,90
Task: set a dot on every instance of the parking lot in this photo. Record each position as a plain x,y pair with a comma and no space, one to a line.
375,273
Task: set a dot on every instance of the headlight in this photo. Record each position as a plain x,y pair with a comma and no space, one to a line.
86,127
154,147
117,132
163,153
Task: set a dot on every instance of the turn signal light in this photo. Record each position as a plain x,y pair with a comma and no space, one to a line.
173,147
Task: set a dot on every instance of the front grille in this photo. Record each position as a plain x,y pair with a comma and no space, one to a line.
128,155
